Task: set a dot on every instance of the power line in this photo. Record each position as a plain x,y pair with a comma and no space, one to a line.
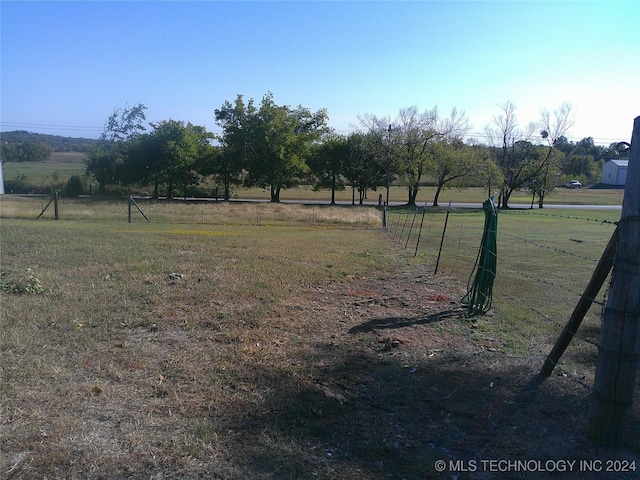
47,126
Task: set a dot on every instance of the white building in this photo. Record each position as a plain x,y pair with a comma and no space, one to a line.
614,172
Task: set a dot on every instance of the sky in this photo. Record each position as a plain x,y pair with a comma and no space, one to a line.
66,66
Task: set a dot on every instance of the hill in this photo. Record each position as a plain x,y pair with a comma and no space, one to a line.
56,143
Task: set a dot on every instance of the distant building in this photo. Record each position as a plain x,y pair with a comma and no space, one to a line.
614,172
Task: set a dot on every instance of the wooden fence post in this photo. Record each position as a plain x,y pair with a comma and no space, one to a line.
55,205
619,345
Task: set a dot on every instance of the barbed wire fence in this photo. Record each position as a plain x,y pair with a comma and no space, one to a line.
545,260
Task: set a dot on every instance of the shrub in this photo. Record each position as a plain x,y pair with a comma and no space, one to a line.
74,187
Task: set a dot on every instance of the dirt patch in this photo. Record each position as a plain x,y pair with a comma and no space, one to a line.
411,383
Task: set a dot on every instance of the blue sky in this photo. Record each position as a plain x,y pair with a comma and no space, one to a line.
65,66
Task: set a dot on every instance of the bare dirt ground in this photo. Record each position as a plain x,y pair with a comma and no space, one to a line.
406,384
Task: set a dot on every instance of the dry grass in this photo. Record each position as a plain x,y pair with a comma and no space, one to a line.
279,344
209,213
561,196
120,367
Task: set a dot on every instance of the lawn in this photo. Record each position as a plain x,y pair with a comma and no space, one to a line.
284,341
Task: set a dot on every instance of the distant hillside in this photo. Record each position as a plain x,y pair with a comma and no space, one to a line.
54,142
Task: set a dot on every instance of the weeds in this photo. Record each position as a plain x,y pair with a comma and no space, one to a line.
26,284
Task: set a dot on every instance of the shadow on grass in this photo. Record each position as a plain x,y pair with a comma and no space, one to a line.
402,322
368,415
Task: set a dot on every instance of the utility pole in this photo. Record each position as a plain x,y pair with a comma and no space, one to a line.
389,165
619,345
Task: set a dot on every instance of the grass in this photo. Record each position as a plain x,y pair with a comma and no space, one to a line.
561,196
545,260
128,349
260,341
58,169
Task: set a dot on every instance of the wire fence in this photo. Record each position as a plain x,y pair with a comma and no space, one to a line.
544,262
202,211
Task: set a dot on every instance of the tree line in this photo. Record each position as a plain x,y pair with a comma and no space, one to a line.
12,142
277,147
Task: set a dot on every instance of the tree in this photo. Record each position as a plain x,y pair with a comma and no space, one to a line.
580,167
279,141
25,152
382,136
515,154
327,163
453,164
485,172
228,164
173,154
545,179
74,186
121,126
416,132
366,166
553,131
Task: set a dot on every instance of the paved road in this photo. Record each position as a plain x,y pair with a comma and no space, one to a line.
461,205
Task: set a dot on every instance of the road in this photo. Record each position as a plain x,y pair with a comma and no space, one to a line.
521,206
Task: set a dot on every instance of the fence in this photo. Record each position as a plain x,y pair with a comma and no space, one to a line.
545,260
146,210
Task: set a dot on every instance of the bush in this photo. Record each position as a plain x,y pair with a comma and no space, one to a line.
17,185
74,187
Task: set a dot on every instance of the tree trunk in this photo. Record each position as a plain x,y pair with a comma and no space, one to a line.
413,193
275,193
541,199
437,195
505,198
333,189
619,348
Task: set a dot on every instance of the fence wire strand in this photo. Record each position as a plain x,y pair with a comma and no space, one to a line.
458,258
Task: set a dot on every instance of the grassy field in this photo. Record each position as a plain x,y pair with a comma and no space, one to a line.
561,196
241,341
57,170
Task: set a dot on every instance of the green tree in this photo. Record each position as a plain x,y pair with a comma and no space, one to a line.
580,167
172,154
544,180
74,186
327,163
453,164
232,158
121,126
382,140
553,130
279,141
413,134
365,168
25,152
